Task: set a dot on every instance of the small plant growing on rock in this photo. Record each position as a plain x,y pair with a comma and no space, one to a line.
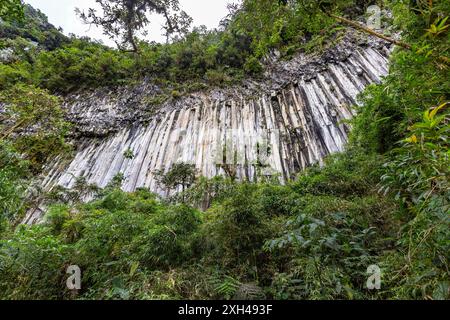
129,154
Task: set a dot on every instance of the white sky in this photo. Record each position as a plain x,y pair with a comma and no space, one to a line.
61,14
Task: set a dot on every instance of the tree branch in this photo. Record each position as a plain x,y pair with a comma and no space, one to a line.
363,28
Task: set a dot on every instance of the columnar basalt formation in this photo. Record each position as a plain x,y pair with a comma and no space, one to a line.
291,119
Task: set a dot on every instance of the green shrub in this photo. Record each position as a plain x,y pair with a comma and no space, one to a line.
57,216
253,67
348,174
236,229
276,200
36,126
176,94
14,173
217,77
17,72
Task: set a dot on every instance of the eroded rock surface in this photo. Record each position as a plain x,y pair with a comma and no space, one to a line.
292,118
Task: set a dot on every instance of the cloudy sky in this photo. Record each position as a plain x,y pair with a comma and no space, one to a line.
61,14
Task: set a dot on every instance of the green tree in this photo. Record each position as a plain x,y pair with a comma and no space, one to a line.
180,174
14,174
123,19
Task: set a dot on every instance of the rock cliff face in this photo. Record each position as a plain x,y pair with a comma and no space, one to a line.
292,118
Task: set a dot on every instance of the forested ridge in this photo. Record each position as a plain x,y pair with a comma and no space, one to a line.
385,201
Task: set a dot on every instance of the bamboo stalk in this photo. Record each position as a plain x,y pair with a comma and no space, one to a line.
361,27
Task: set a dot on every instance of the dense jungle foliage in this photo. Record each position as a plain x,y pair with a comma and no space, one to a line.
385,201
